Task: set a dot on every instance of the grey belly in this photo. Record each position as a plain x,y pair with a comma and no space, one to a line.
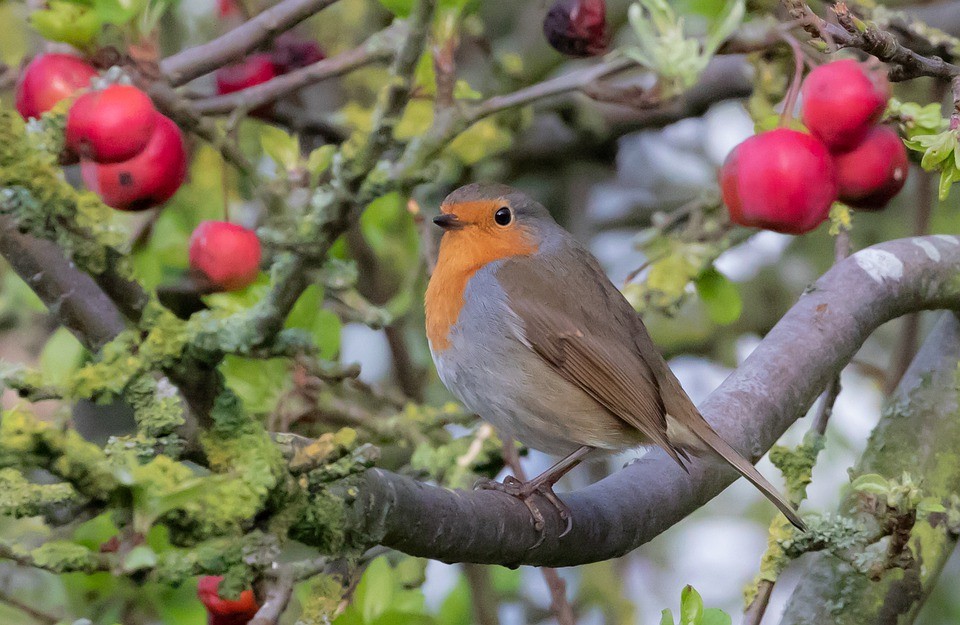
512,388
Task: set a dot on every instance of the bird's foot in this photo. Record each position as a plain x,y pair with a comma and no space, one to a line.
524,491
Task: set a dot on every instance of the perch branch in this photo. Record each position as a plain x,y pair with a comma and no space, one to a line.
751,409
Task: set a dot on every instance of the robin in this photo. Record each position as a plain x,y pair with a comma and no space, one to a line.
528,332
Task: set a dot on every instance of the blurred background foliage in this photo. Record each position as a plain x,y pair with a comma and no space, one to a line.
638,190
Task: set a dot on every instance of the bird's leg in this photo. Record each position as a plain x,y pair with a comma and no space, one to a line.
542,484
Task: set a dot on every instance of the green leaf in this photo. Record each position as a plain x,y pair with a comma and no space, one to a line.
691,606
400,8
720,296
67,22
930,505
715,616
666,617
140,557
319,160
871,483
375,591
948,176
119,12
728,23
308,314
61,357
282,148
258,383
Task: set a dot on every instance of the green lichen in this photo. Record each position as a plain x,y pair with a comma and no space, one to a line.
321,522
133,355
324,598
797,464
21,498
156,406
774,560
34,191
26,441
61,556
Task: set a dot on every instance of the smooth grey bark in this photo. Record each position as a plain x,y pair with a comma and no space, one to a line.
919,434
72,296
751,409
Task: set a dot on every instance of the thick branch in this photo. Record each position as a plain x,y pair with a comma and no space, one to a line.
751,409
71,295
918,434
184,66
377,48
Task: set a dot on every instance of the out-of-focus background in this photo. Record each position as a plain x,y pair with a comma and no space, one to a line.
609,173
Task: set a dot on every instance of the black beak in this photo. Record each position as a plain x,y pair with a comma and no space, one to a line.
448,221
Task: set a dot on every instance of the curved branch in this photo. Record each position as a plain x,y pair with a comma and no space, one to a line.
186,65
917,435
751,409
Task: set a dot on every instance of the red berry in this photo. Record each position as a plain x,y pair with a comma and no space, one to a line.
251,71
872,173
227,8
110,125
841,101
781,180
227,254
49,78
290,52
577,27
148,179
224,611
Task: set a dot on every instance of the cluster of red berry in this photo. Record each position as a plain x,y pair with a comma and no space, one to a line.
289,52
786,181
221,611
133,157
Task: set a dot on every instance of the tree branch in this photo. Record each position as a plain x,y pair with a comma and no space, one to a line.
379,47
186,65
751,409
69,294
917,435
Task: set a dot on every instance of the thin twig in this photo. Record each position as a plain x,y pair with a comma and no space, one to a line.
186,65
483,595
276,597
29,610
851,32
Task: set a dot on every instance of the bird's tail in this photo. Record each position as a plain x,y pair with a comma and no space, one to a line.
703,431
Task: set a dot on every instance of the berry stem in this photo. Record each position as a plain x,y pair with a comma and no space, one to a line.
790,101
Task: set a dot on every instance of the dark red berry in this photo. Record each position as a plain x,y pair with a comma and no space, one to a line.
253,70
48,79
148,179
577,27
872,173
781,180
110,125
227,254
290,52
841,101
220,611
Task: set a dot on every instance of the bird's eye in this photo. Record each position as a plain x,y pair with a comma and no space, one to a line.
503,216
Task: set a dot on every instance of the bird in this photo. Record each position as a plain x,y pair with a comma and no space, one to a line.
526,330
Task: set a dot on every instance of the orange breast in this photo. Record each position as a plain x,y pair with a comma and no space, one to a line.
463,253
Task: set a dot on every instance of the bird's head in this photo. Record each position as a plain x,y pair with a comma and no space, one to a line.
486,222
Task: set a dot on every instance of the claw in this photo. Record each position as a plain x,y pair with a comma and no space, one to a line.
524,491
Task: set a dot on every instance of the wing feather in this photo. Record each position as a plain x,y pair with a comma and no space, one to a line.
600,358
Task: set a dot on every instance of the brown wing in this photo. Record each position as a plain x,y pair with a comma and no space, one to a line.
574,318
